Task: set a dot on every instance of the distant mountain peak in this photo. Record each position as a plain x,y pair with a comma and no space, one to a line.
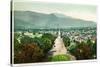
24,19
59,15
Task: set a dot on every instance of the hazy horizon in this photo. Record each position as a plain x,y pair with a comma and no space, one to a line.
85,12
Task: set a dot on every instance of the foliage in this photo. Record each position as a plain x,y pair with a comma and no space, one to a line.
82,51
59,58
94,50
17,45
35,49
26,40
66,41
29,53
47,41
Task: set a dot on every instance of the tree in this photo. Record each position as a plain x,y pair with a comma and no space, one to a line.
47,41
29,53
26,40
94,49
66,41
17,45
82,51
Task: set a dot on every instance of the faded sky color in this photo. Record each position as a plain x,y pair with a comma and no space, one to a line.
85,12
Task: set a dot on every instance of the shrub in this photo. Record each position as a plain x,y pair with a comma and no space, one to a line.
59,58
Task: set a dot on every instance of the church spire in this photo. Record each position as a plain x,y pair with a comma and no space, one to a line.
59,34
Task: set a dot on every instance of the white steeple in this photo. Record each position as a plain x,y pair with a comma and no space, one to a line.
59,34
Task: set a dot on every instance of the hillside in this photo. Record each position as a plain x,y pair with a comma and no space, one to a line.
34,20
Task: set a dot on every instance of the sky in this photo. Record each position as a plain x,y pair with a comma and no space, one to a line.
84,12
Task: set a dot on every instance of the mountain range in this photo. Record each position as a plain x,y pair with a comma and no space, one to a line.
35,20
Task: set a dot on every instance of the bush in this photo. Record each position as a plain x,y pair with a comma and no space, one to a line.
59,58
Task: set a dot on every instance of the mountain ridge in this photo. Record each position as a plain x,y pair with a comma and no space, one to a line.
35,20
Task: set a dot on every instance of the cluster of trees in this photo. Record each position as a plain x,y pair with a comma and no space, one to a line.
28,54
84,50
30,50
